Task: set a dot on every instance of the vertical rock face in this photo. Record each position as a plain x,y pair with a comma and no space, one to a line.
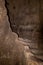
4,24
25,17
11,50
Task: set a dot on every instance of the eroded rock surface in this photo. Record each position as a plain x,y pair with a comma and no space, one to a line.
24,16
11,50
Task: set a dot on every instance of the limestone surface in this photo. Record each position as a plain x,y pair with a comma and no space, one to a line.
11,50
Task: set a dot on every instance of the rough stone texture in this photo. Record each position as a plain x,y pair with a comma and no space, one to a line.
31,60
24,16
11,49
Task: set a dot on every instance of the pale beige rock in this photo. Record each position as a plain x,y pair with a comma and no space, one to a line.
11,50
31,60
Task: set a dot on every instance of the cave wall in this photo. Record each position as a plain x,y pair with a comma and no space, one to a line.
26,19
24,16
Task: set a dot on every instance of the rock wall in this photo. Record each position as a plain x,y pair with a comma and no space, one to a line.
24,16
10,51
